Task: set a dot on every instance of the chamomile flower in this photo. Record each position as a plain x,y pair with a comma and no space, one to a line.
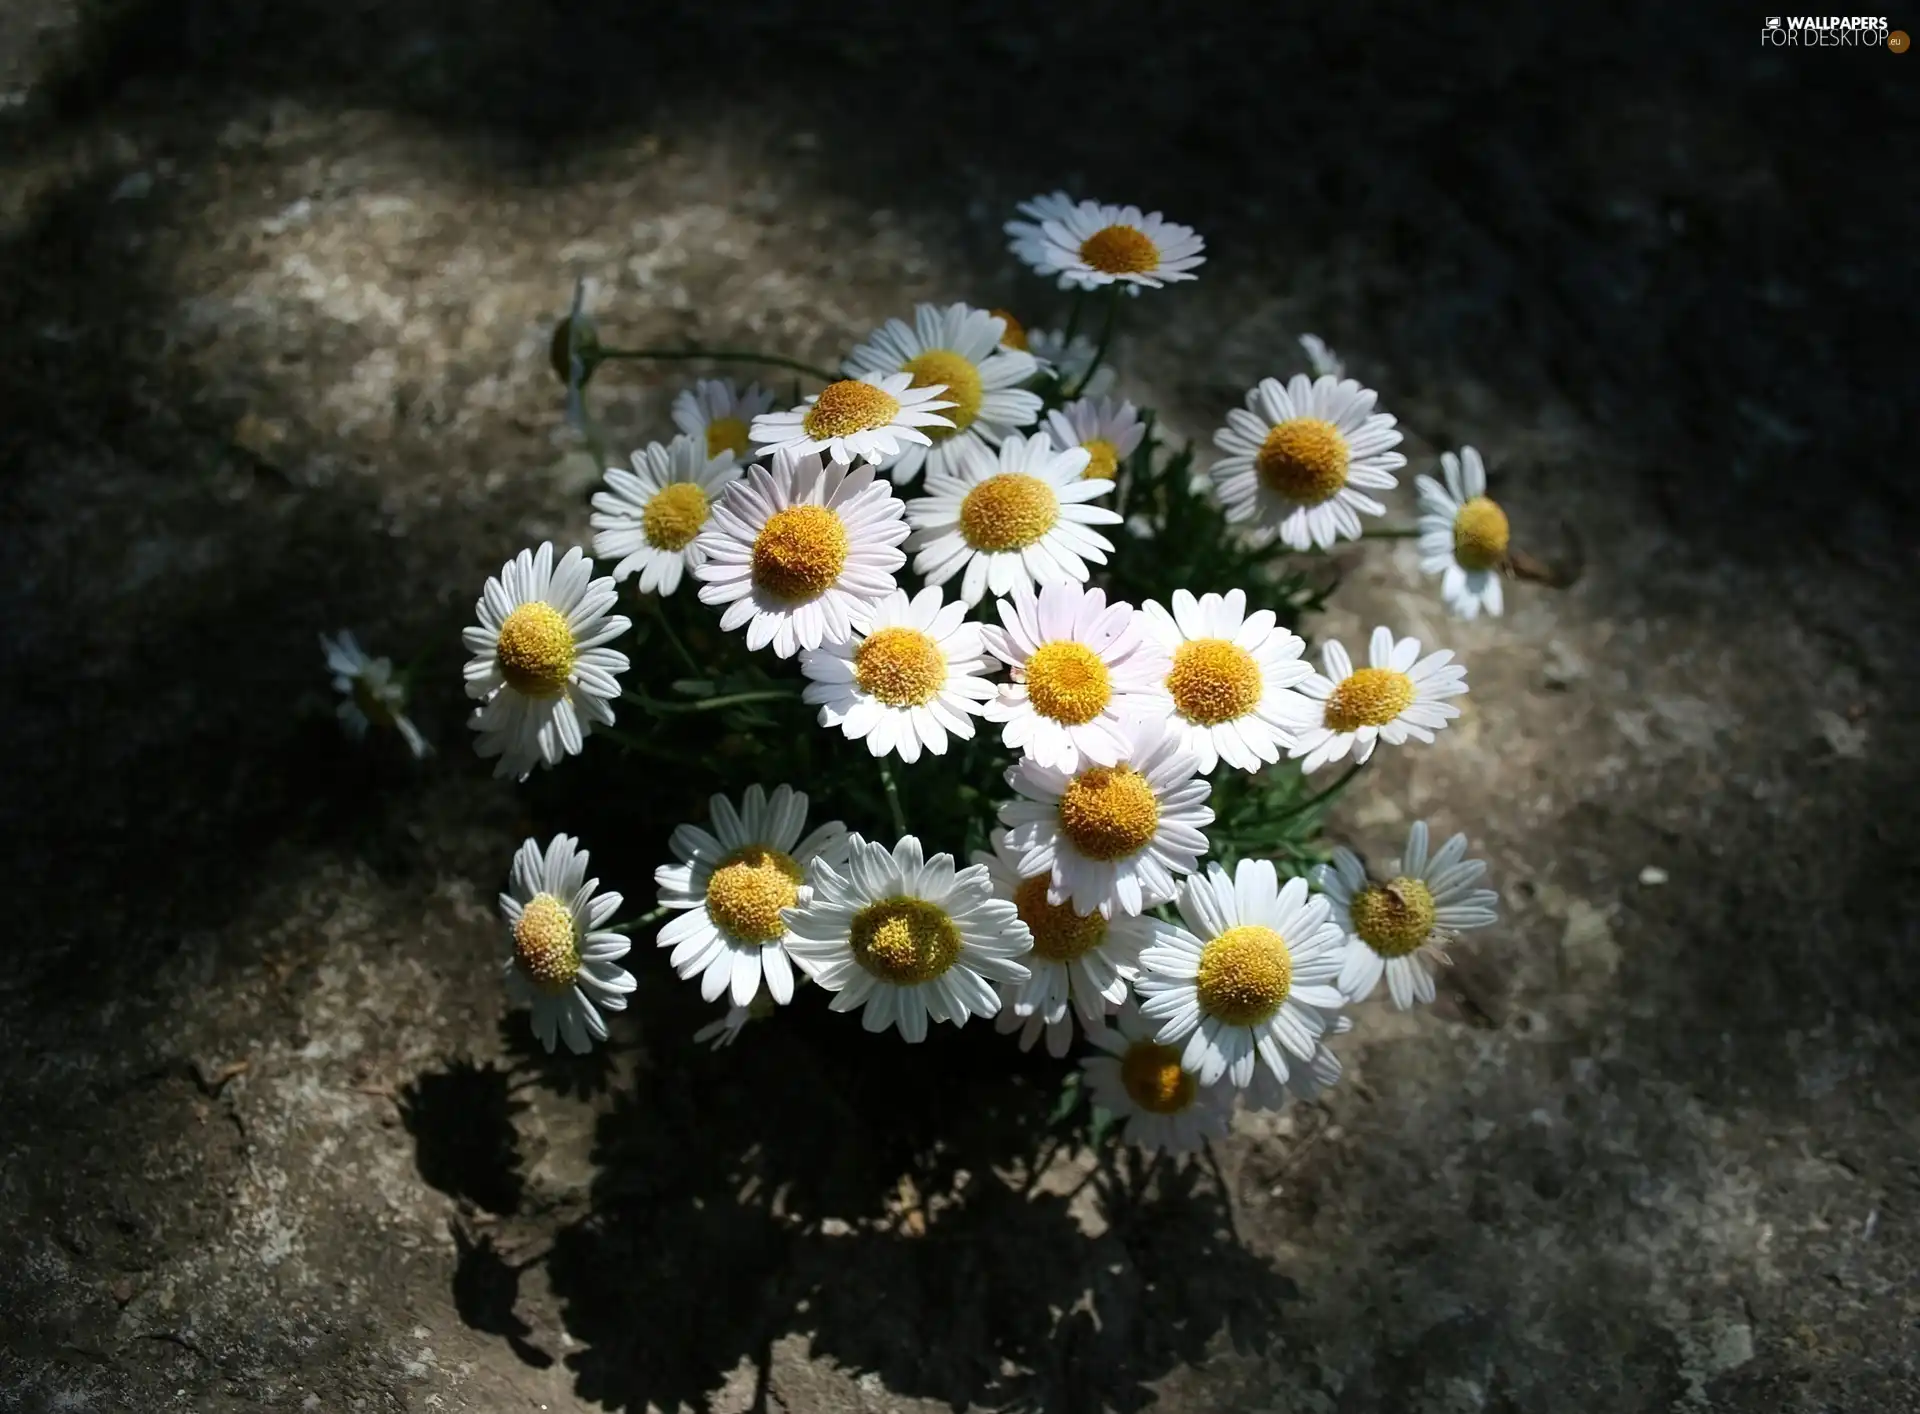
1029,243
1397,696
1324,362
370,695
908,938
540,664
1107,431
799,554
718,417
1068,361
913,679
868,419
1142,1081
1393,927
1249,979
1092,244
1301,457
731,885
958,349
1021,516
1463,535
1081,668
648,519
1303,1082
559,960
1228,676
1111,838
718,1035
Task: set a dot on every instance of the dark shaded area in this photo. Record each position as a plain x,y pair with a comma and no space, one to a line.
461,1120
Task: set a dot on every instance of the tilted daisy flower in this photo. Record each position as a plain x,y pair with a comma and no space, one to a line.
1021,516
730,886
957,349
718,418
560,961
1300,459
370,694
1081,668
1228,674
718,1035
1250,977
870,419
1107,431
540,664
799,554
1029,243
908,938
1397,696
1140,1080
648,519
1392,927
1093,245
1068,360
1112,838
1463,535
914,678
1324,362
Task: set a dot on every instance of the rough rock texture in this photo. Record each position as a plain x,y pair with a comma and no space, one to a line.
275,286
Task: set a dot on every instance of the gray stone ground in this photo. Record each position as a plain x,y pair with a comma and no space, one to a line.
274,289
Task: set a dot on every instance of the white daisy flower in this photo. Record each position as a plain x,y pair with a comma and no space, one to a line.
370,694
718,1035
1029,243
1249,979
957,349
1091,245
800,554
1304,1082
1228,674
1142,1081
718,418
1112,838
730,886
1391,927
1013,334
1463,535
1324,362
869,419
1107,431
914,678
1300,458
1019,517
559,960
908,938
540,664
648,519
1399,695
1081,668
1069,359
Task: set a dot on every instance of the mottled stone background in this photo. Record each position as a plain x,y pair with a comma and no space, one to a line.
275,286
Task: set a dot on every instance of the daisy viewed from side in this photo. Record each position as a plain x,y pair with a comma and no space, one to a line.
1301,457
560,961
1397,696
1249,978
648,519
1395,926
1029,243
1092,245
370,695
540,664
718,418
1324,362
1228,676
913,679
1069,359
907,938
869,418
1142,1081
730,886
1463,535
1108,432
719,1034
799,554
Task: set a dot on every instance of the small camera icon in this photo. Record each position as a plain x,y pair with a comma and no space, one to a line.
1773,22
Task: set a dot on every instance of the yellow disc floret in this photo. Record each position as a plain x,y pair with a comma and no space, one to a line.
1109,812
746,893
1304,459
1154,1080
1480,535
799,552
1015,336
1369,697
535,650
1120,250
1245,974
1103,460
902,667
545,946
674,515
1067,682
849,406
1394,918
1008,512
727,434
1059,934
945,368
1213,680
905,941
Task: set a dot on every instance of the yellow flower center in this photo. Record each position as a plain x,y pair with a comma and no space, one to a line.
748,890
1480,534
905,941
1214,680
535,650
799,552
674,515
1067,682
1394,918
1154,1080
1120,250
900,666
1245,974
944,367
847,407
1059,934
1008,512
1109,812
727,434
1304,459
1104,460
1371,697
545,946
1015,336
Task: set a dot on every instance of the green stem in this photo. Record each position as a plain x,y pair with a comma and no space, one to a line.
603,354
892,789
634,925
1328,794
666,626
1391,532
707,704
1073,316
1100,349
